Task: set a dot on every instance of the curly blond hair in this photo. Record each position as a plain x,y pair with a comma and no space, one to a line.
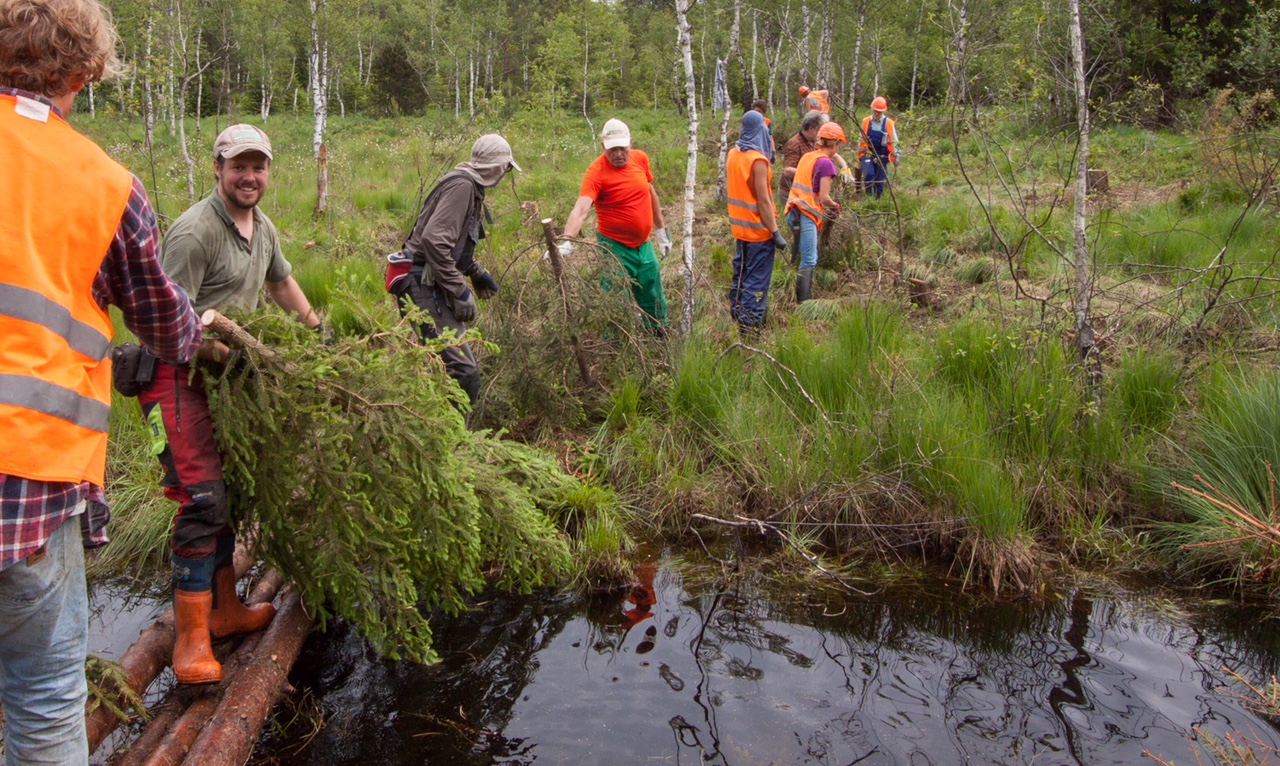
51,47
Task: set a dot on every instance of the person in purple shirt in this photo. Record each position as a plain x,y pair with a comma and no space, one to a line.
49,49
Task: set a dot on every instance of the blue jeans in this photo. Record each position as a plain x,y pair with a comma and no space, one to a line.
752,273
44,637
808,242
874,174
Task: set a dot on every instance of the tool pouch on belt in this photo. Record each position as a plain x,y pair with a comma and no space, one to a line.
133,369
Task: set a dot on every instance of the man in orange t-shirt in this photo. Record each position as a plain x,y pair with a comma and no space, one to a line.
619,185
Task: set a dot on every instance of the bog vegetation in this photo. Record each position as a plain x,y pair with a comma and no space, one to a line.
932,403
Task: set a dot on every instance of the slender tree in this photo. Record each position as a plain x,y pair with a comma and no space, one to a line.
685,37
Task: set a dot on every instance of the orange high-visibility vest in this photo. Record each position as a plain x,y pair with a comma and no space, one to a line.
63,199
817,99
803,196
863,147
744,208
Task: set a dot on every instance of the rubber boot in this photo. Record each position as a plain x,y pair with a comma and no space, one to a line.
804,285
193,660
229,616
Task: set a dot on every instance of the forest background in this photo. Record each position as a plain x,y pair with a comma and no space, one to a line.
1002,371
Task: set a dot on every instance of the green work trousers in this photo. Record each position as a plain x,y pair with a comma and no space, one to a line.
645,276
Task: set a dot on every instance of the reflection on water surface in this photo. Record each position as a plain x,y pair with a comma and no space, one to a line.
708,674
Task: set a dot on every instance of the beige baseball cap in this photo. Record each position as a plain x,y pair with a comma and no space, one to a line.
615,134
238,139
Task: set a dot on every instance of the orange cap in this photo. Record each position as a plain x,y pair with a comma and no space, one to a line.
879,104
832,130
804,90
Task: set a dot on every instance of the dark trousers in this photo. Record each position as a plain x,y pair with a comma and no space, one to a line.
875,172
459,361
176,409
752,273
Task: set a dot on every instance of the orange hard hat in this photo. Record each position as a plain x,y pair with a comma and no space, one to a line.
831,130
804,90
879,104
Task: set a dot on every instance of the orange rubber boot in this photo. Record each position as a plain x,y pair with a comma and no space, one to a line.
193,660
229,616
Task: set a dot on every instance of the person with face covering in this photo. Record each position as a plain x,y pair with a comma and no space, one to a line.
438,258
754,222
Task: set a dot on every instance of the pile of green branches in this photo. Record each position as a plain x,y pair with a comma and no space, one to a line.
351,467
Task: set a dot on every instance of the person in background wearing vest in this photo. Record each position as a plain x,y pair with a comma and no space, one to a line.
619,185
429,271
223,250
754,222
798,146
79,234
817,99
810,204
877,147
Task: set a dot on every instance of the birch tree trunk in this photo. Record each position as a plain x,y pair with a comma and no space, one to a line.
319,60
958,55
915,55
804,45
1088,342
722,184
755,42
691,169
823,75
857,55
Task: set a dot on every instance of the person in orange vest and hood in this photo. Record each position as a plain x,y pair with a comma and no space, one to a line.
79,234
817,99
810,204
754,222
877,147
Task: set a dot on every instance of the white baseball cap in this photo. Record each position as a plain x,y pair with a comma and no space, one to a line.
615,134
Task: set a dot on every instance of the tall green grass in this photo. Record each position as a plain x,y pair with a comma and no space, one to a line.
1233,448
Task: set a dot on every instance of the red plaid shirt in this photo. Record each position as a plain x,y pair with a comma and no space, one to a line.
160,314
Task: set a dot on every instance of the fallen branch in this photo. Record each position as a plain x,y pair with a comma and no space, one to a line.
794,377
553,253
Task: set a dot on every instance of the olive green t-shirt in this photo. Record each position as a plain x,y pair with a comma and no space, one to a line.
207,256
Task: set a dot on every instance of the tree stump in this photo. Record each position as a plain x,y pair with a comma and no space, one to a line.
1098,180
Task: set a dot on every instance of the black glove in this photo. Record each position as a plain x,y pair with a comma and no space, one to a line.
464,306
485,285
325,333
779,241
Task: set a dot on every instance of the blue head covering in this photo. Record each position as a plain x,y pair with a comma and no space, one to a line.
754,134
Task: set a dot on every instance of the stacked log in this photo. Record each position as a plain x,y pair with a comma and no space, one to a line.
218,724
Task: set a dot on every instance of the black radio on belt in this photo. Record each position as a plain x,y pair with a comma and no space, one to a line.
133,368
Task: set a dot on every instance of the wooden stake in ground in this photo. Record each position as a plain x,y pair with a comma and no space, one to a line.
557,267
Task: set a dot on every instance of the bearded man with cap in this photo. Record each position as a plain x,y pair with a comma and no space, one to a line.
429,271
223,250
619,185
754,221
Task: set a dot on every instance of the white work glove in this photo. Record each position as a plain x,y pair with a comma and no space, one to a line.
846,174
565,249
664,241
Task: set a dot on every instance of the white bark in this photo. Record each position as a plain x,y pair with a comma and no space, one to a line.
958,54
1085,337
722,184
915,55
755,41
691,168
857,55
319,81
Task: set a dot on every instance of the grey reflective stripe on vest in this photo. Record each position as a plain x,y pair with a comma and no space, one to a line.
31,306
805,205
53,400
802,187
742,204
745,224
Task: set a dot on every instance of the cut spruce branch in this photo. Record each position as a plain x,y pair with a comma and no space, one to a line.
354,466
